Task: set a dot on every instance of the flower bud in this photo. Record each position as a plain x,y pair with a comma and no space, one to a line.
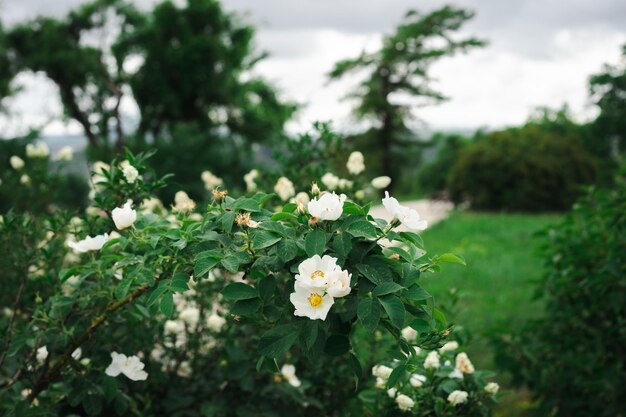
315,190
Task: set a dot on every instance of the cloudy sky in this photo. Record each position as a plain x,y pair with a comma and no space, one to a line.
540,53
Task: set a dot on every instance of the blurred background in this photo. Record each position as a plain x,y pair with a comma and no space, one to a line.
507,111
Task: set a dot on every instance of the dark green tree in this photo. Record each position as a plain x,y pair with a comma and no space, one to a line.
400,70
608,92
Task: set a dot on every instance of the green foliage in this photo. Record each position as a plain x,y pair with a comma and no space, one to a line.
572,359
433,175
401,67
521,169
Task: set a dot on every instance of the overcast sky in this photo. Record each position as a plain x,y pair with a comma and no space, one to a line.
540,53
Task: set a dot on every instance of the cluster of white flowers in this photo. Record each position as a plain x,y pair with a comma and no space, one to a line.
407,216
457,397
409,334
289,373
381,182
249,178
382,373
182,202
38,150
463,363
327,206
151,205
211,181
356,163
284,188
125,216
66,153
24,179
131,366
492,388
318,282
130,172
16,162
333,182
432,361
417,380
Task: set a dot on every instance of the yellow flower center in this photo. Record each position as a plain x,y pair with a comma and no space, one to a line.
315,300
317,274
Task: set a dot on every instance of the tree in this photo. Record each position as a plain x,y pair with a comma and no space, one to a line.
608,92
400,69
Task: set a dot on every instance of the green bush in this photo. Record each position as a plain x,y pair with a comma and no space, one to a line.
574,360
433,175
521,169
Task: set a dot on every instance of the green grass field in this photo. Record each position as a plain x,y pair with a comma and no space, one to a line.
496,287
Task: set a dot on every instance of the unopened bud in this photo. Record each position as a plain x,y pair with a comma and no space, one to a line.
315,190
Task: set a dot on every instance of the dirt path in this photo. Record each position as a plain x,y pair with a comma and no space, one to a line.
432,211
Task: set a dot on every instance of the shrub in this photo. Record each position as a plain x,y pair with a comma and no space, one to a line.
525,169
433,175
573,359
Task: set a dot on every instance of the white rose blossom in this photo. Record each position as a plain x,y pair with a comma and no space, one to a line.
39,150
249,180
457,397
327,206
66,153
405,403
381,182
314,272
302,198
284,188
310,302
215,322
409,334
211,181
432,360
182,202
131,366
417,380
25,179
455,374
190,315
492,388
330,180
16,162
407,216
289,373
453,345
391,392
381,371
124,216
130,172
356,163
463,363
339,283
42,354
89,243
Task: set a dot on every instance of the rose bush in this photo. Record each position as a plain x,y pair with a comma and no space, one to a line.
230,307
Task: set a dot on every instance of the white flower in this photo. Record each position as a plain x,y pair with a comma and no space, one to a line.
345,184
182,202
175,327
457,397
331,181
453,345
284,188
78,352
409,333
311,303
97,168
463,363
455,374
380,383
215,322
356,163
66,153
302,198
314,272
16,162
184,369
130,366
492,388
339,283
249,179
391,392
42,354
381,371
327,207
151,205
432,360
417,380
407,216
125,216
39,150
210,180
381,182
359,195
190,315
405,403
25,179
130,172
289,373
89,243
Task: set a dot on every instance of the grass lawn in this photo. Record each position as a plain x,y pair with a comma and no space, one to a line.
496,287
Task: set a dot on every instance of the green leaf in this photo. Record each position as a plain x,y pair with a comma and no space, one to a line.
247,204
451,258
420,325
227,221
337,345
284,216
264,239
287,249
289,208
277,341
370,273
309,333
342,244
231,263
246,307
385,288
394,308
315,243
109,387
368,312
352,208
267,286
167,304
123,286
239,291
204,265
395,376
417,293
156,293
362,228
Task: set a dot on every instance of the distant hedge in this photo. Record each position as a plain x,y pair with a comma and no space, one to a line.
523,169
574,359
